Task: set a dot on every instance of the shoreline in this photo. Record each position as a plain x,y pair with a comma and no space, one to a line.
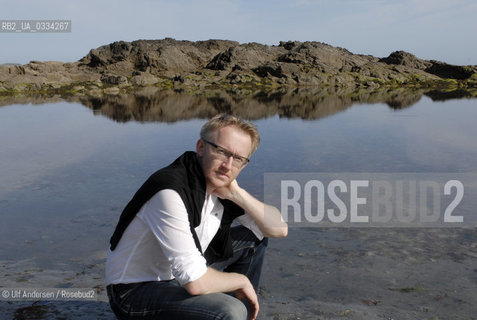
336,274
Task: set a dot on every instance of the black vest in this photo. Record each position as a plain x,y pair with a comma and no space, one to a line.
185,176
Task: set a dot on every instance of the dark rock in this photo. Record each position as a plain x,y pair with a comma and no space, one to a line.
145,60
405,59
237,68
120,50
221,61
292,57
288,45
179,78
445,70
95,59
234,78
271,69
113,79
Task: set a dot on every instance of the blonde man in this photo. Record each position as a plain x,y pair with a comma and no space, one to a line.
174,254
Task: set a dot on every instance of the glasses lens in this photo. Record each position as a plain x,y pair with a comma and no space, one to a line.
224,155
237,162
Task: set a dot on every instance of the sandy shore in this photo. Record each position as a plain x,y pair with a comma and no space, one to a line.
372,274
315,273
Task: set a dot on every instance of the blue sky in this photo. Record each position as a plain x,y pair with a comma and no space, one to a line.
443,30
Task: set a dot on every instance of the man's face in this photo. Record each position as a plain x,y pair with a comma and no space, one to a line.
221,172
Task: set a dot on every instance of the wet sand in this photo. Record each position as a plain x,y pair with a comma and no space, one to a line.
315,273
372,274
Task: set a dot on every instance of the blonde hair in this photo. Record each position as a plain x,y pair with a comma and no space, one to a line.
225,120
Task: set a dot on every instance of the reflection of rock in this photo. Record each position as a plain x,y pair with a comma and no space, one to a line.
39,99
437,95
399,100
151,104
170,106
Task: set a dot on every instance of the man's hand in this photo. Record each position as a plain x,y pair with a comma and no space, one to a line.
249,294
268,218
228,192
217,281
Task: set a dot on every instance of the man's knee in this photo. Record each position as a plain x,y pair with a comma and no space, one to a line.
233,310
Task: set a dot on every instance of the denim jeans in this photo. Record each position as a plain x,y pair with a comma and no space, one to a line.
169,300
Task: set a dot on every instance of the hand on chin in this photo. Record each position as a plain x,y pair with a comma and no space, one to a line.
227,190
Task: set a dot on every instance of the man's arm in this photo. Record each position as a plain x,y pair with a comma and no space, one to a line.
268,218
216,281
167,218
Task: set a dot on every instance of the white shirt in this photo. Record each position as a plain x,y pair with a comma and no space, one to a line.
158,245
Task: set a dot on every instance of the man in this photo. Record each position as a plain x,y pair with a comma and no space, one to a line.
174,254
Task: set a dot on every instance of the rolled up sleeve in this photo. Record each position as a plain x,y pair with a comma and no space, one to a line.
247,221
167,217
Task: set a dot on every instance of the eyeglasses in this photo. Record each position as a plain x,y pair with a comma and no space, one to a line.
224,154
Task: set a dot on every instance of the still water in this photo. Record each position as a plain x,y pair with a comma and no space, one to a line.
68,168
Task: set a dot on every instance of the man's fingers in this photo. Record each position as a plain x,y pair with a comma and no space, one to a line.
254,310
253,303
248,293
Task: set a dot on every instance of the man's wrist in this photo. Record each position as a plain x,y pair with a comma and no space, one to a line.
239,196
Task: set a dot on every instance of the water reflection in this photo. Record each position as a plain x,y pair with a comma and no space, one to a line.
66,175
154,105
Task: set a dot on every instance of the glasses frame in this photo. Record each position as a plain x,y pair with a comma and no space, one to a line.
228,154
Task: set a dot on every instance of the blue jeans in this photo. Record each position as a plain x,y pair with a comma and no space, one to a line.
169,300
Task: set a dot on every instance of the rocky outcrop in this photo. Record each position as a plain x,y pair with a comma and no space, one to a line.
166,57
243,57
403,58
228,65
440,69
